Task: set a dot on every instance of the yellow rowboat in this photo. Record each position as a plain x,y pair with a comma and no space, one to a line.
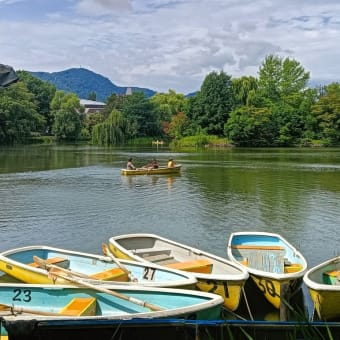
276,267
214,274
323,282
162,170
32,264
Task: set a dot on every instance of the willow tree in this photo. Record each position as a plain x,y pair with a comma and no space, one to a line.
114,130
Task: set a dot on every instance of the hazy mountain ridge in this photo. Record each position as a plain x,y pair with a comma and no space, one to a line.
82,82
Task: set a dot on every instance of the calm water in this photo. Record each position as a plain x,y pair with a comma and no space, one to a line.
74,197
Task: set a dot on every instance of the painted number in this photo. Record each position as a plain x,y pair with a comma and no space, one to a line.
22,295
215,285
267,286
149,273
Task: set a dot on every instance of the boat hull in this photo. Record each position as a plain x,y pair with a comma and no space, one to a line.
225,278
323,282
50,302
276,267
159,171
96,269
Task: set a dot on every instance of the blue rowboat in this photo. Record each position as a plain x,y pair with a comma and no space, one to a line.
213,273
67,303
33,264
323,282
276,267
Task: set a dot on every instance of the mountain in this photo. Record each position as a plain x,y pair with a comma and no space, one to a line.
82,82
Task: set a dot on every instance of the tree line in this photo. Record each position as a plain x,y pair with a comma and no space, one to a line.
277,108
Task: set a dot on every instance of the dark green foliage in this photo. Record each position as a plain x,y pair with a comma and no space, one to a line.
214,102
18,114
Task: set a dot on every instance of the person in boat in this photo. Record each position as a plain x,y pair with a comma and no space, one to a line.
171,163
130,165
153,165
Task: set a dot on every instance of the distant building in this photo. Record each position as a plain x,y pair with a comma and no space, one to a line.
128,91
92,106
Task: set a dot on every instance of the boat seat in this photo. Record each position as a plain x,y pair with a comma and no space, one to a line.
196,266
80,306
151,251
257,247
58,261
158,257
331,277
112,274
292,267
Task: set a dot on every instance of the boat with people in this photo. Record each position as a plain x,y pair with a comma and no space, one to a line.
67,304
276,266
34,264
323,282
214,274
161,170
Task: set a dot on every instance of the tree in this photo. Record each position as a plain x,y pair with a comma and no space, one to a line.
213,103
43,93
92,96
251,126
140,113
18,114
327,114
280,78
244,89
68,116
178,125
114,130
168,104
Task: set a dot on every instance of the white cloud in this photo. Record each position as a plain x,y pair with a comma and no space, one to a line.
162,44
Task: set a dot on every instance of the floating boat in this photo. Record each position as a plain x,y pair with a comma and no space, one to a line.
276,267
162,170
323,282
34,264
69,303
214,274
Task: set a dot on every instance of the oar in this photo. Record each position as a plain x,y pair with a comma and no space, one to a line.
106,291
45,265
108,253
26,310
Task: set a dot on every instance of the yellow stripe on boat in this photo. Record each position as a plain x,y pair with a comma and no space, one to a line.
80,307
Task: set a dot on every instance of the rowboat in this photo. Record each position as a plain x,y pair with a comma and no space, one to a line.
214,274
162,170
69,303
33,264
323,282
276,267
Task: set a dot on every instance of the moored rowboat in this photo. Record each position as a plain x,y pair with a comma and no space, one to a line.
213,273
67,303
323,282
162,170
273,263
32,264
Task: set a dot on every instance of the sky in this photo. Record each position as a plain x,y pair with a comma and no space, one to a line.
170,44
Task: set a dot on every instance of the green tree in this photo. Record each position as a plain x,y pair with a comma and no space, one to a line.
140,113
114,130
251,126
18,114
92,96
213,103
178,125
327,114
67,111
244,89
43,93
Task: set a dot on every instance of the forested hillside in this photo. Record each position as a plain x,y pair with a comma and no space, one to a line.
84,82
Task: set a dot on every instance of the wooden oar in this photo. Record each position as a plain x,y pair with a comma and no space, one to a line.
106,291
45,265
107,252
26,310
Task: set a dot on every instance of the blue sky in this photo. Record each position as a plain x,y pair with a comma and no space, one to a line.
169,44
